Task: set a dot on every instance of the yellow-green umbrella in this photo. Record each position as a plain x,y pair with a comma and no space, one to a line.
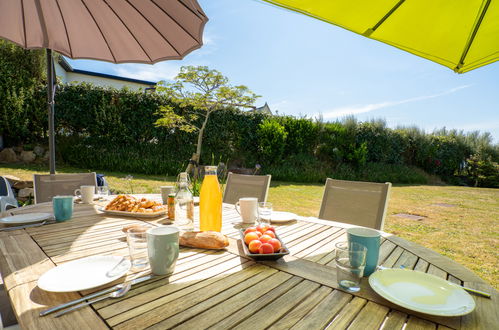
459,34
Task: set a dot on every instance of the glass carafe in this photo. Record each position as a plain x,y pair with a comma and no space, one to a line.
210,202
184,204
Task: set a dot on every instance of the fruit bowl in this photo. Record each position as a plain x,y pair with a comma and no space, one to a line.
260,257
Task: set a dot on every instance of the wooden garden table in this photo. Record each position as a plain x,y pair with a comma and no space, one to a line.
224,289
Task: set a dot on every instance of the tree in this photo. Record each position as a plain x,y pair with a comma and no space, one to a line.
22,101
199,92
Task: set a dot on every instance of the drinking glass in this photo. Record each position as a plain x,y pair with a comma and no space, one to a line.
102,191
264,213
137,246
350,263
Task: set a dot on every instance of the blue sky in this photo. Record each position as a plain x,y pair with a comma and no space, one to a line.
305,67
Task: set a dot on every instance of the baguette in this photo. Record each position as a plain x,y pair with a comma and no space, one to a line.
204,239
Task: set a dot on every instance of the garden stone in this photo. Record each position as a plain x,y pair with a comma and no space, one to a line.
27,156
25,193
39,151
17,183
20,184
46,156
410,216
8,155
18,149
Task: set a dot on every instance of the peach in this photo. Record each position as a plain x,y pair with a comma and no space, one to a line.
265,238
249,230
266,248
276,244
262,228
270,233
250,237
254,246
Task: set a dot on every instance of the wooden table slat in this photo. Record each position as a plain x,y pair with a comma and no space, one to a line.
370,317
415,323
348,313
394,320
217,313
324,312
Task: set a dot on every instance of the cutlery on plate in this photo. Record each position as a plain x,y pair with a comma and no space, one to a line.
470,290
96,294
27,226
115,294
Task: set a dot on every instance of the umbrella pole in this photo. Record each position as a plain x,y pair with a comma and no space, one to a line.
50,107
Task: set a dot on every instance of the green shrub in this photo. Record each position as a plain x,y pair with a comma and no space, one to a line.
271,141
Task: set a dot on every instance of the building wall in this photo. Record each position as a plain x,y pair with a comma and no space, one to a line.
72,77
60,72
105,82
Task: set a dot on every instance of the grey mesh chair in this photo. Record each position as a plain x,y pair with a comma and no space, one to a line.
357,203
239,185
50,185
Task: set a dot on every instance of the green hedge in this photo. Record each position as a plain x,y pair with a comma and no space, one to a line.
109,129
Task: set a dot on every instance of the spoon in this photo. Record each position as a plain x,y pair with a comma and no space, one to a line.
114,295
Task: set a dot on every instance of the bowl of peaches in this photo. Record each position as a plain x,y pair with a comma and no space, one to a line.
262,243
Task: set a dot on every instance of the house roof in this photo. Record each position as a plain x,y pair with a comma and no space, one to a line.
66,66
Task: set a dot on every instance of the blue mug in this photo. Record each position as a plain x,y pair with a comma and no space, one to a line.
63,207
371,239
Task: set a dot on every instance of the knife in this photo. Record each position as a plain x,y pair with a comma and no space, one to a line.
96,294
27,226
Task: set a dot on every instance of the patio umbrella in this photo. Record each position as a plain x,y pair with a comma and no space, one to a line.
117,31
460,34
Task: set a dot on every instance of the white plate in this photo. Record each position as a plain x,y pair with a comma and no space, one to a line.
283,217
25,218
83,274
421,292
134,214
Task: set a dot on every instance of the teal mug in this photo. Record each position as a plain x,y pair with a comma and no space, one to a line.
371,239
63,207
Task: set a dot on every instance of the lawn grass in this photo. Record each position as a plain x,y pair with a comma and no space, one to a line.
466,232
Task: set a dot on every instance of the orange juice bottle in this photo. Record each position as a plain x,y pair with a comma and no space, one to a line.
210,201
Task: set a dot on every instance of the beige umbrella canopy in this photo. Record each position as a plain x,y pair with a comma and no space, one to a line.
117,31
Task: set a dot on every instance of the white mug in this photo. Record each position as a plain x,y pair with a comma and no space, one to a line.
86,194
248,209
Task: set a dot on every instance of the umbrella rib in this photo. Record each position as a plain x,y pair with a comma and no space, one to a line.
65,27
24,25
154,27
467,47
173,19
42,23
129,31
98,27
370,31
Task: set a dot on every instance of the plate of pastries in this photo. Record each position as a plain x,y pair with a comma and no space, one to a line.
132,206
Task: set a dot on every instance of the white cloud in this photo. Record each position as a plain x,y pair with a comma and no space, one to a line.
358,109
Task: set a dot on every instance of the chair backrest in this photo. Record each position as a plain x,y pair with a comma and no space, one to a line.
356,203
240,185
50,185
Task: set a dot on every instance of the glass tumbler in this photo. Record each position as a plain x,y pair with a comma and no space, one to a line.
264,213
102,192
137,246
350,263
